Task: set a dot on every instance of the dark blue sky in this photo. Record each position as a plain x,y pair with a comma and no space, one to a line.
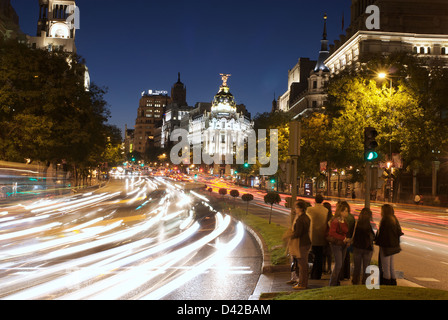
132,46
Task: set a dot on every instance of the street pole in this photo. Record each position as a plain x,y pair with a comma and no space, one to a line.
294,153
368,183
294,160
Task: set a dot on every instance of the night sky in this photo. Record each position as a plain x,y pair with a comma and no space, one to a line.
133,46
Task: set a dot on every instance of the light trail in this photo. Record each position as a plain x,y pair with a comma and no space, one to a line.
198,269
103,256
127,281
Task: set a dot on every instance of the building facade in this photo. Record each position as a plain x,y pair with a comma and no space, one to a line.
9,22
220,130
297,83
313,96
176,111
414,26
54,32
148,125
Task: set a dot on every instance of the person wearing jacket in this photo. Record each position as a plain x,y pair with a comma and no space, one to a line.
338,235
362,243
318,215
302,233
388,239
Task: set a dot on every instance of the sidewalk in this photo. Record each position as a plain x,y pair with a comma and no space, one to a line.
273,278
276,282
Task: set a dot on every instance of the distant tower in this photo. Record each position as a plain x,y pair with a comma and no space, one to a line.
53,27
179,93
324,53
274,105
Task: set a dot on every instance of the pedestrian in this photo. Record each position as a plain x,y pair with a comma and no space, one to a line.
290,251
388,239
362,242
302,242
326,267
338,240
345,271
417,199
318,216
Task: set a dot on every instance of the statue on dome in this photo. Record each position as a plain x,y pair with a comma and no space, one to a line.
224,78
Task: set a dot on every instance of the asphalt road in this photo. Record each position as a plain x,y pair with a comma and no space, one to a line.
133,239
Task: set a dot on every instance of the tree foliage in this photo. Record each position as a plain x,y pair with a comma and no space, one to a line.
409,116
272,198
45,112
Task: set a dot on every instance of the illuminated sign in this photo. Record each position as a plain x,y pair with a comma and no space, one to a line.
155,92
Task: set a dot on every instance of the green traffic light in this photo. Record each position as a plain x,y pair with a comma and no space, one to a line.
272,180
246,165
372,156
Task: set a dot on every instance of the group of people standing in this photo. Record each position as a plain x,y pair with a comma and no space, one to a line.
326,236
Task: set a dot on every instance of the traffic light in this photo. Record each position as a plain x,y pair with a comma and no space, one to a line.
370,144
246,165
272,180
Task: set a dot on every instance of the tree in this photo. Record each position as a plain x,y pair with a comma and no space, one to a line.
409,112
46,113
247,197
279,121
235,194
222,191
272,198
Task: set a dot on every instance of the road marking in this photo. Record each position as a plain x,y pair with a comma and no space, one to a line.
427,279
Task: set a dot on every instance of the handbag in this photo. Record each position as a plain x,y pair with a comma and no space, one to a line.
293,247
350,241
389,251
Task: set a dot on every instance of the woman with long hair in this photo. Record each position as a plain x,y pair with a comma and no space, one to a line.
388,239
303,244
362,242
338,239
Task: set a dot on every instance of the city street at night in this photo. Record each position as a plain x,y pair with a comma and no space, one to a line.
224,158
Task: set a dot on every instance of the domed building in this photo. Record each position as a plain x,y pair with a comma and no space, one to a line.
221,129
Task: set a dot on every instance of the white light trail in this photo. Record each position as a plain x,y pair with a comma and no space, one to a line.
127,281
26,232
201,268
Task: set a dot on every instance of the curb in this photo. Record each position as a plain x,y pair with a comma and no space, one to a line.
267,266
